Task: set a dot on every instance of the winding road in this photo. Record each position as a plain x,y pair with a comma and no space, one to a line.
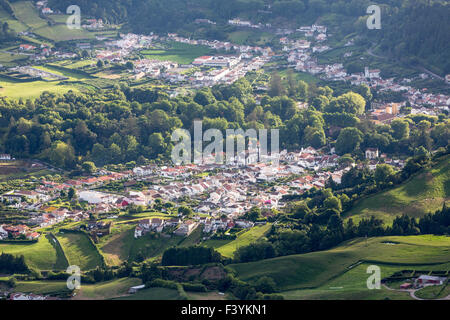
412,293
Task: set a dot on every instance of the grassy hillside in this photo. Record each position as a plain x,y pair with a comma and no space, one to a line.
227,247
122,246
107,290
43,255
178,52
421,194
153,294
350,286
80,251
41,287
28,19
27,14
314,269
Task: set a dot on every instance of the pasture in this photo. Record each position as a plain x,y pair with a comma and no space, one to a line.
181,53
244,238
27,14
80,251
29,90
43,255
423,193
311,270
153,294
350,286
122,246
60,32
41,287
106,290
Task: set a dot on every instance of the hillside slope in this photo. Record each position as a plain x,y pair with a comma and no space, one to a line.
421,194
313,269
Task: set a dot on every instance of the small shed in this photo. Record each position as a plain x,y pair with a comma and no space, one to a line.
136,288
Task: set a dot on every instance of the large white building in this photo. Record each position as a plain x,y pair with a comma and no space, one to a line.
95,197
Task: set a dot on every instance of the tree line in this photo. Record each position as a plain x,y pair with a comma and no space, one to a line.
126,124
13,264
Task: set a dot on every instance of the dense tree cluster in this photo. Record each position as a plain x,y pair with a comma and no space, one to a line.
85,130
12,264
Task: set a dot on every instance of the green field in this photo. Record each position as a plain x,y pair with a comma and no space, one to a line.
227,248
250,37
182,53
16,89
14,24
28,19
312,270
27,14
72,75
59,18
43,255
25,90
239,37
298,76
9,60
421,194
75,64
351,286
434,292
80,251
106,290
60,32
41,287
153,294
123,246
193,239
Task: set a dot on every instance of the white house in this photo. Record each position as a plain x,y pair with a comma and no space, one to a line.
186,228
371,73
371,153
425,279
3,233
5,157
94,197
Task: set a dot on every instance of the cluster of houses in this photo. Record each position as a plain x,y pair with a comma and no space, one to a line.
423,281
29,297
244,23
217,190
43,8
16,232
215,69
184,228
300,55
93,24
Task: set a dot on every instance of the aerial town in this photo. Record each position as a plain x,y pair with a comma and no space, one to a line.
88,116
